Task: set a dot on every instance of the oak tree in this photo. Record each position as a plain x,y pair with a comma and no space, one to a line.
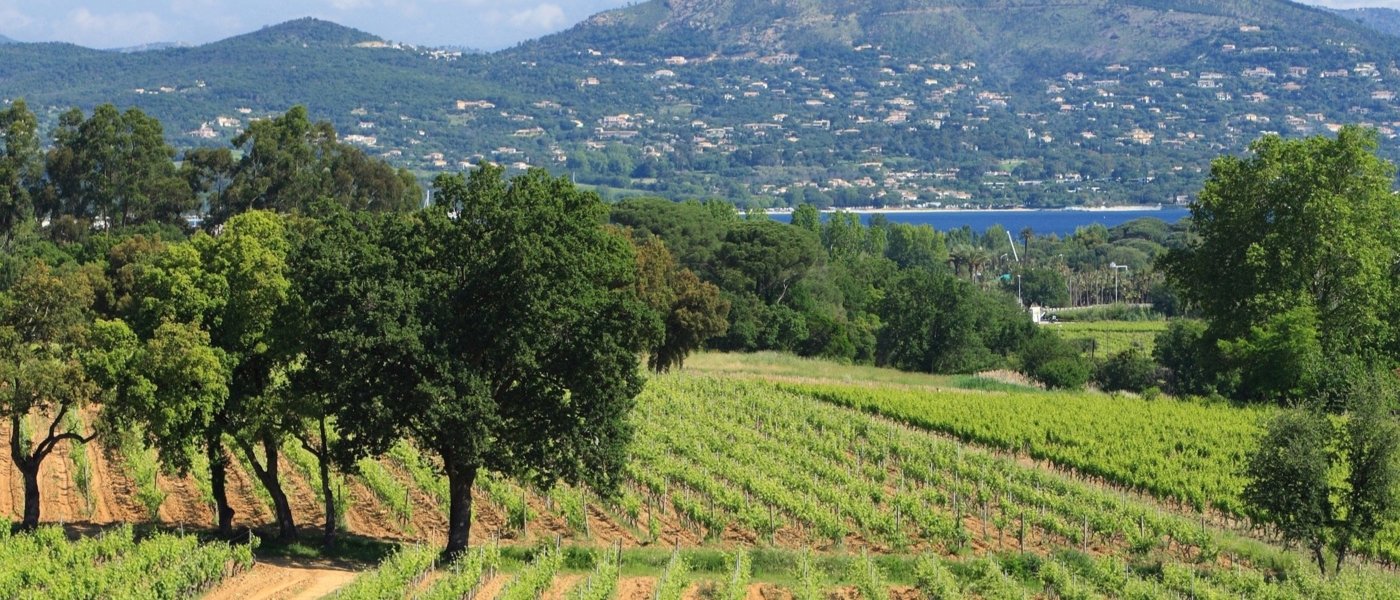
502,335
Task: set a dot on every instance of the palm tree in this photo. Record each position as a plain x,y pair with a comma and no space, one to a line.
961,255
1026,234
980,259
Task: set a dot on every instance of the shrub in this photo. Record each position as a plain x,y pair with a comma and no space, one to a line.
1054,362
1130,370
1184,354
1067,373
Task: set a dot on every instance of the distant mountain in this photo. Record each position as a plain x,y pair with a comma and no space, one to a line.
846,102
5,40
1025,36
306,31
1384,20
153,46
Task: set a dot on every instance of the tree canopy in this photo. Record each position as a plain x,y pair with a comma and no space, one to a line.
503,337
1299,224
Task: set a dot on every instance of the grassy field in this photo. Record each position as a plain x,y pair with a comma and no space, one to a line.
1112,337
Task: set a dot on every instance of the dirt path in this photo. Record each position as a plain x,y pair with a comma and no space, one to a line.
114,493
285,579
61,500
563,584
636,588
249,510
182,504
493,586
305,507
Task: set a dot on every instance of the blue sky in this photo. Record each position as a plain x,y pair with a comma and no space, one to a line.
485,24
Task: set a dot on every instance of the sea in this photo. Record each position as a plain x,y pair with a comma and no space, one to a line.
1043,222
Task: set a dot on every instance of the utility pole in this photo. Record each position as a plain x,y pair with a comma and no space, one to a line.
1115,266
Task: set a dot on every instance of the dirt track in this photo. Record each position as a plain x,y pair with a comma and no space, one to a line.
285,579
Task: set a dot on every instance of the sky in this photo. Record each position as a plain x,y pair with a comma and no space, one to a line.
482,24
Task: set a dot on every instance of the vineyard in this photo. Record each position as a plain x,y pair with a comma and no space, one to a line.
1106,338
45,564
763,483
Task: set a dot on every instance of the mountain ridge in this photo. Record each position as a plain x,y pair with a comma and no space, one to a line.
777,100
1384,20
1007,33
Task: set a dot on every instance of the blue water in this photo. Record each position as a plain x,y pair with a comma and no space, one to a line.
1044,222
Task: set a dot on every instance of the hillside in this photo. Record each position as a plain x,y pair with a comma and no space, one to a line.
1384,20
998,102
761,453
1018,37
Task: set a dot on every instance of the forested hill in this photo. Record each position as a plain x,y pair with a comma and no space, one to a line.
1034,38
845,102
1384,20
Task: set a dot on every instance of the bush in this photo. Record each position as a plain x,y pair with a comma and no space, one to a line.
1130,370
1184,354
1049,359
1278,361
1067,373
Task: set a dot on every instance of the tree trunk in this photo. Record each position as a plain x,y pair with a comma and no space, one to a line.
29,468
323,457
218,469
30,471
27,460
460,478
1321,560
271,481
1341,549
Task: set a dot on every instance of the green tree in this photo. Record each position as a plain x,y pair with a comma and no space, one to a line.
807,217
1330,483
116,168
1043,286
689,310
1131,370
281,167
167,387
1298,223
1288,478
1053,361
843,235
209,173
767,258
937,323
1187,357
1278,360
21,169
45,318
503,339
692,231
235,287
916,246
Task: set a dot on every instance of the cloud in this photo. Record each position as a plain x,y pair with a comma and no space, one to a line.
85,27
544,17
350,4
12,19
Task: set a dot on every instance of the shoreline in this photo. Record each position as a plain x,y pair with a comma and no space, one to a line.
866,210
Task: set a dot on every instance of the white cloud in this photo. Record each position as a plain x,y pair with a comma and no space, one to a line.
12,19
544,17
350,4
85,27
